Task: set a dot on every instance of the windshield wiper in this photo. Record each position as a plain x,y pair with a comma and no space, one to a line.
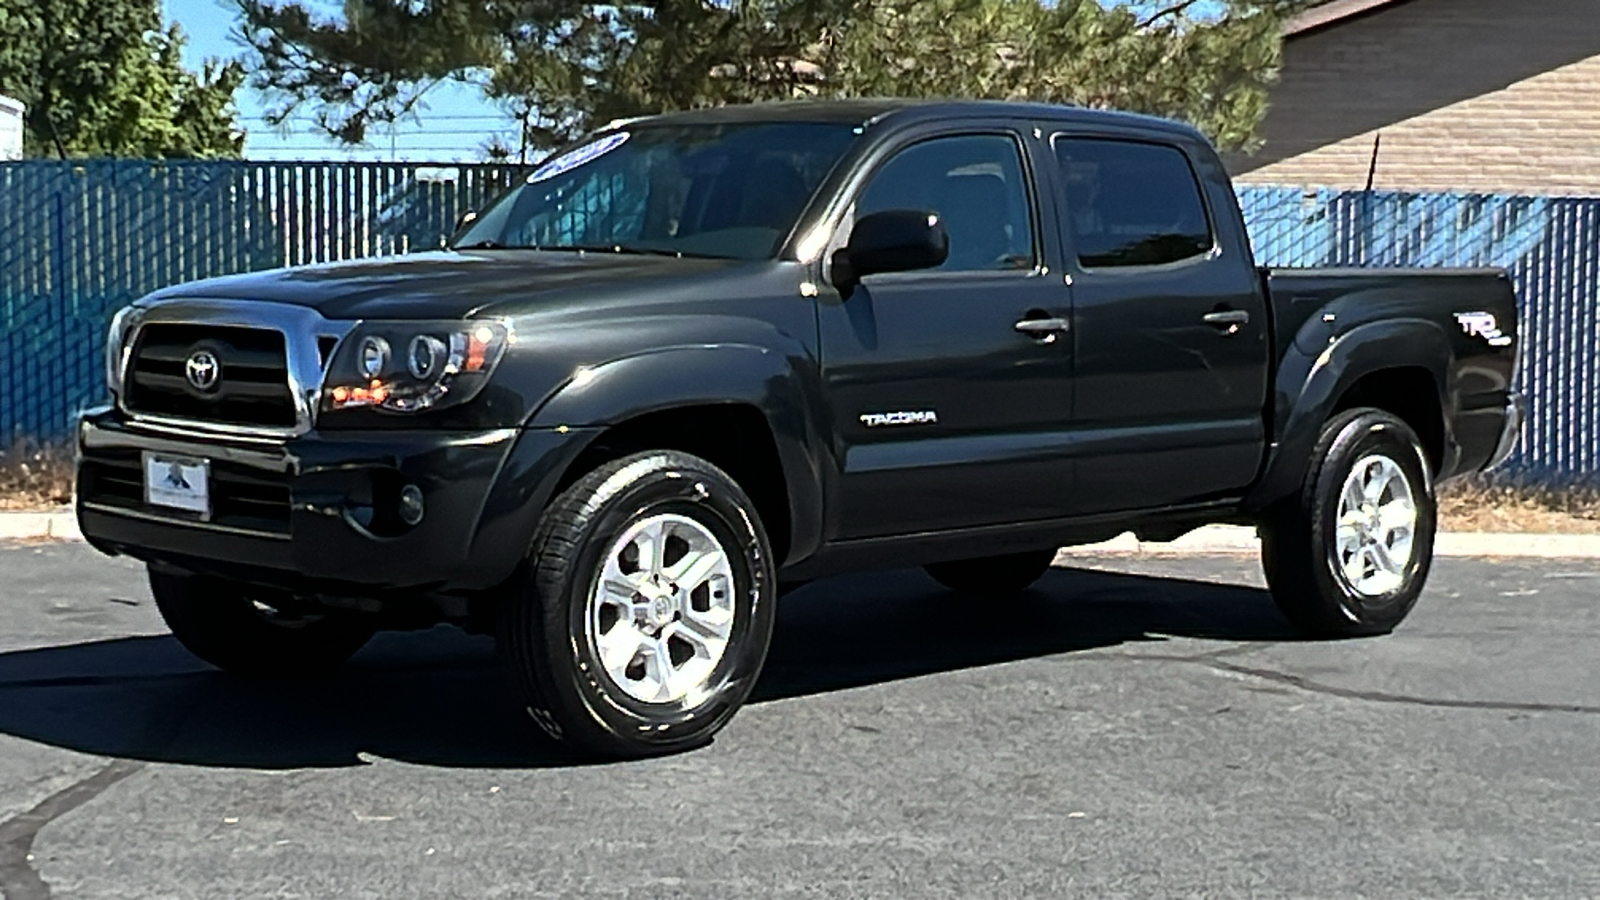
626,250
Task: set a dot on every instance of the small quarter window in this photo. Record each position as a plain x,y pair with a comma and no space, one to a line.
1131,203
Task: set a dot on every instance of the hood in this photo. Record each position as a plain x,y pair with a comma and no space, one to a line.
444,285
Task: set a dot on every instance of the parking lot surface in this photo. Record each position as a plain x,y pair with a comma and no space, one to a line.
1136,727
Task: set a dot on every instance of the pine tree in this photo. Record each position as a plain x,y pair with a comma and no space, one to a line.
102,78
563,67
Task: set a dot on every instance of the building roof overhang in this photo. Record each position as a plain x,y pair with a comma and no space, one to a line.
1333,12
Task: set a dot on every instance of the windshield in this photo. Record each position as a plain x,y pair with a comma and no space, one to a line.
732,191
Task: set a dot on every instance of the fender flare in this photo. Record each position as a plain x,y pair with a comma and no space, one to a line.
781,384
1309,385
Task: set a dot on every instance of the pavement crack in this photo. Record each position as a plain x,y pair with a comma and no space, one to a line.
19,880
1202,658
1306,684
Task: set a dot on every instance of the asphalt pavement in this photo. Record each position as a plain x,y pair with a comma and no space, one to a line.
1145,727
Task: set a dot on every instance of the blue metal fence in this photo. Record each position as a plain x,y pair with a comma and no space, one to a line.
78,240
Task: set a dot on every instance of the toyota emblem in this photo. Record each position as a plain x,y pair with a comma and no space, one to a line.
202,370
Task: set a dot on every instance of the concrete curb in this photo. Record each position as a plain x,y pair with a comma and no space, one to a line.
62,525
57,525
1229,539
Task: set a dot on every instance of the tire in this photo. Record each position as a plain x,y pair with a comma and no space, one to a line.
993,576
656,665
233,627
1364,576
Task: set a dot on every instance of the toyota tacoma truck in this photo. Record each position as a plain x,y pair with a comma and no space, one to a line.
703,356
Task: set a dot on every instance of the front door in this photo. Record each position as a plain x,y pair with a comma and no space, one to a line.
948,415
1170,329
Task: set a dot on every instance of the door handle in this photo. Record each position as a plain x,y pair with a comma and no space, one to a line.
1230,317
1044,329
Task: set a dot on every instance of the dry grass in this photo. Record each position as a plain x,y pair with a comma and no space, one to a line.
1472,504
35,476
40,476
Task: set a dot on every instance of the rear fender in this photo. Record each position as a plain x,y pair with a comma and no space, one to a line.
1309,386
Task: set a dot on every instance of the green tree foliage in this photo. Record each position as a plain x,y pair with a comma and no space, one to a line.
564,66
102,78
1213,73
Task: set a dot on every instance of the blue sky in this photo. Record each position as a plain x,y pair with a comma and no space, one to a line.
455,126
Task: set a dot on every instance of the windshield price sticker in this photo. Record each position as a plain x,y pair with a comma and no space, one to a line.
572,159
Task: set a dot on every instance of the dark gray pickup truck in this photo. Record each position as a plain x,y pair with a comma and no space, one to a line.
707,355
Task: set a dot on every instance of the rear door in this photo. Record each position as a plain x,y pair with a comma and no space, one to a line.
1169,327
947,414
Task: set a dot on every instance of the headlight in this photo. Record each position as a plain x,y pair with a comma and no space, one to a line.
117,349
408,367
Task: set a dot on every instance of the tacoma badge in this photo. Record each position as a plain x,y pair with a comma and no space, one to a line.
918,417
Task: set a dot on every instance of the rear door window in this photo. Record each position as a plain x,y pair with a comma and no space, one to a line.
1130,203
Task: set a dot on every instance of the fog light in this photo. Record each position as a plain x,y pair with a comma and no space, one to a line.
411,504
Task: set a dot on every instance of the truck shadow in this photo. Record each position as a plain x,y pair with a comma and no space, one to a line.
437,697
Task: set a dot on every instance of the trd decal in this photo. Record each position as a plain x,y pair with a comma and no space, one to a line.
1484,325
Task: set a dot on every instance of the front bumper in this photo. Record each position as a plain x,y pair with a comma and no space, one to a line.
315,512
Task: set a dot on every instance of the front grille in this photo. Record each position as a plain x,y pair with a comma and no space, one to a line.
241,496
252,387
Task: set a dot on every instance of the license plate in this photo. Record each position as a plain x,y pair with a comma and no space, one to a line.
178,482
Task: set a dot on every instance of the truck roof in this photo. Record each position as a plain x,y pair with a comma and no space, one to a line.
869,111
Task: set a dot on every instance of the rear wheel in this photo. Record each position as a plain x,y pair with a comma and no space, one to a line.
252,631
993,576
1350,554
644,619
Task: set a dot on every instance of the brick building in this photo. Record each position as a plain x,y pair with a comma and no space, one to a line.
1492,96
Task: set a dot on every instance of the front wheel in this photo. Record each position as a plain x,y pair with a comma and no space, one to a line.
644,619
1350,553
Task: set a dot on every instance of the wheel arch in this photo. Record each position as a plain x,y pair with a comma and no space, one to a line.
1411,394
746,409
1397,365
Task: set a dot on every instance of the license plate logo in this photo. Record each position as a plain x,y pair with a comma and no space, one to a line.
178,482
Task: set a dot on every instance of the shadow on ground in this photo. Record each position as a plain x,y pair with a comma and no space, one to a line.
437,697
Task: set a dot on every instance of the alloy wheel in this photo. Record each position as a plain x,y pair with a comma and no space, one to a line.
662,611
1376,526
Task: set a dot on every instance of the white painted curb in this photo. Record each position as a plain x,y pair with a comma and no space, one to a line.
59,525
62,525
1223,539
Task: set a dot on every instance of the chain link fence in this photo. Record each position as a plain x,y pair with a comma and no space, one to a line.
79,240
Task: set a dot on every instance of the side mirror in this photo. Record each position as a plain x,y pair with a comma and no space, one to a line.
895,240
467,218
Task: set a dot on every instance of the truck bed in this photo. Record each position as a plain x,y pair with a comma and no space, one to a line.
1299,295
1316,312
